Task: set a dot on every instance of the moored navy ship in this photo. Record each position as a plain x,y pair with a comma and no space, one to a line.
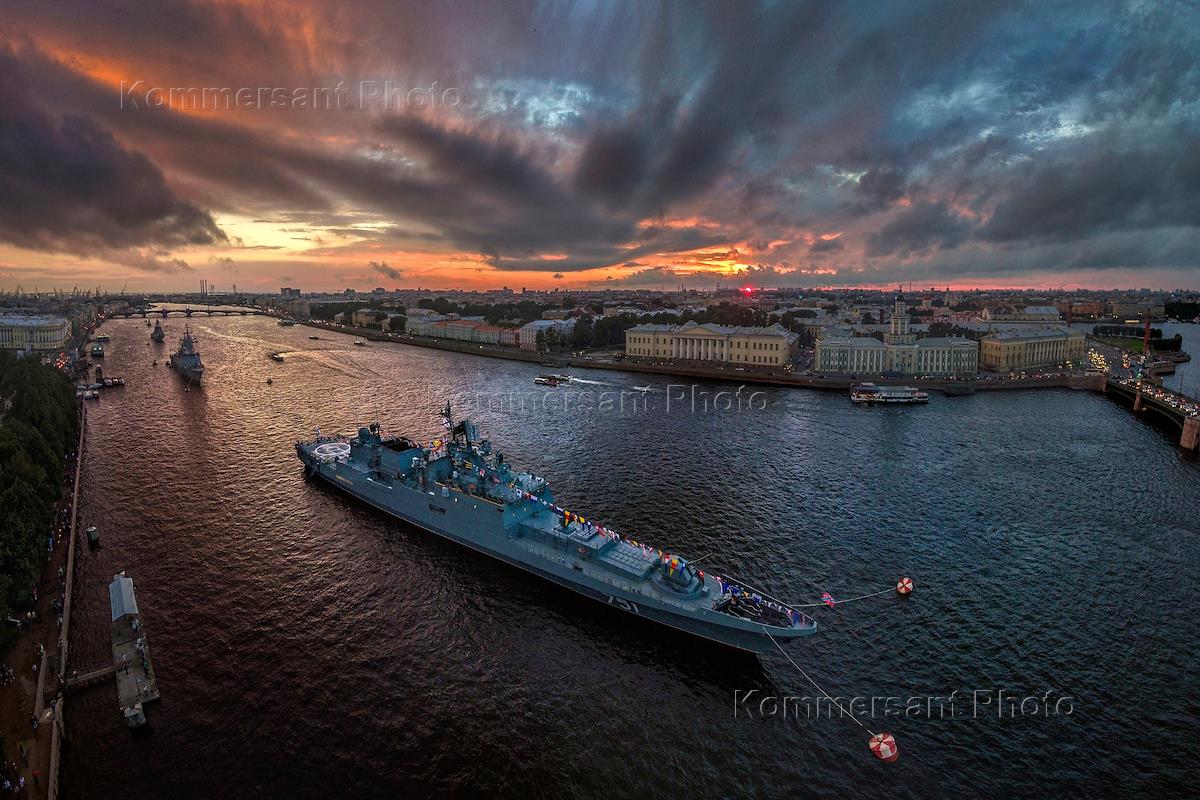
460,488
158,334
186,359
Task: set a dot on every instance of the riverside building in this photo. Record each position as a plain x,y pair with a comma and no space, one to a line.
34,334
1019,349
766,347
899,352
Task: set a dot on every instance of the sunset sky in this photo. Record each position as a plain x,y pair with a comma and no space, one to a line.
596,144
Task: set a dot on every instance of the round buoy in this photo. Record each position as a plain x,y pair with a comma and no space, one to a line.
904,586
883,745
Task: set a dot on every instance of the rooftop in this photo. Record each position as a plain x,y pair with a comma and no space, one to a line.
1044,333
31,320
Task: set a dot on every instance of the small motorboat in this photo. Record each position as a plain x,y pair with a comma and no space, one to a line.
269,381
314,337
277,357
360,343
546,380
93,536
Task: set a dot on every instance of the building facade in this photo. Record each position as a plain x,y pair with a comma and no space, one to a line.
1013,350
692,341
527,334
899,352
34,334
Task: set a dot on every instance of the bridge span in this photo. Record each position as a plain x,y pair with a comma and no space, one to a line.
187,312
1146,398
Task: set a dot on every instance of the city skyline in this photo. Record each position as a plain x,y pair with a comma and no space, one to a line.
618,146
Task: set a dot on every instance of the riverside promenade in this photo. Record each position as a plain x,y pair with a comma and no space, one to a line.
37,659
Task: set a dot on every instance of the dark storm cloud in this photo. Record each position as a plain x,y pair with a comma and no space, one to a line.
385,270
826,245
66,184
1107,188
921,131
876,190
919,230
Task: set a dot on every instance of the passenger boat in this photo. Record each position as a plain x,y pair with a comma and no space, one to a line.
103,337
287,323
870,394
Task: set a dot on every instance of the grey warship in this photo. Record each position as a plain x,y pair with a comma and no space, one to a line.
187,359
460,488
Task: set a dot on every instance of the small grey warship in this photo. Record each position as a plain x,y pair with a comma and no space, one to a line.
158,334
460,488
186,359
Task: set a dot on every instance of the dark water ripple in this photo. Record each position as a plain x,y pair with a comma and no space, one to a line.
308,647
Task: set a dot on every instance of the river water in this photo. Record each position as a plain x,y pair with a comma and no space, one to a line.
307,646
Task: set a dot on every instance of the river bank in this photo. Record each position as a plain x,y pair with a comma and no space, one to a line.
840,383
30,727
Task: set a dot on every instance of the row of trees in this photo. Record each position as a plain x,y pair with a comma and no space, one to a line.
1183,309
1133,331
38,428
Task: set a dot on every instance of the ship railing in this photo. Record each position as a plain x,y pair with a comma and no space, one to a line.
797,618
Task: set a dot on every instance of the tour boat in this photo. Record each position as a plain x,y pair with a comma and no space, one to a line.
869,394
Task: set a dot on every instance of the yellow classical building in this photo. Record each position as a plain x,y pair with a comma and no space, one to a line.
692,341
34,334
1013,350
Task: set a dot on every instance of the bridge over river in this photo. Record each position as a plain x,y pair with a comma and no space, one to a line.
213,311
1150,399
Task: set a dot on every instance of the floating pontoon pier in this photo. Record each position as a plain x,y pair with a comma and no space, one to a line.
136,683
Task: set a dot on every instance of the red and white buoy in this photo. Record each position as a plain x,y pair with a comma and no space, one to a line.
904,586
883,745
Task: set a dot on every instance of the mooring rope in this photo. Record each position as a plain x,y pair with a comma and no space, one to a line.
827,695
839,602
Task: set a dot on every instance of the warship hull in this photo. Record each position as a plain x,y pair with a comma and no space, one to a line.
497,530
